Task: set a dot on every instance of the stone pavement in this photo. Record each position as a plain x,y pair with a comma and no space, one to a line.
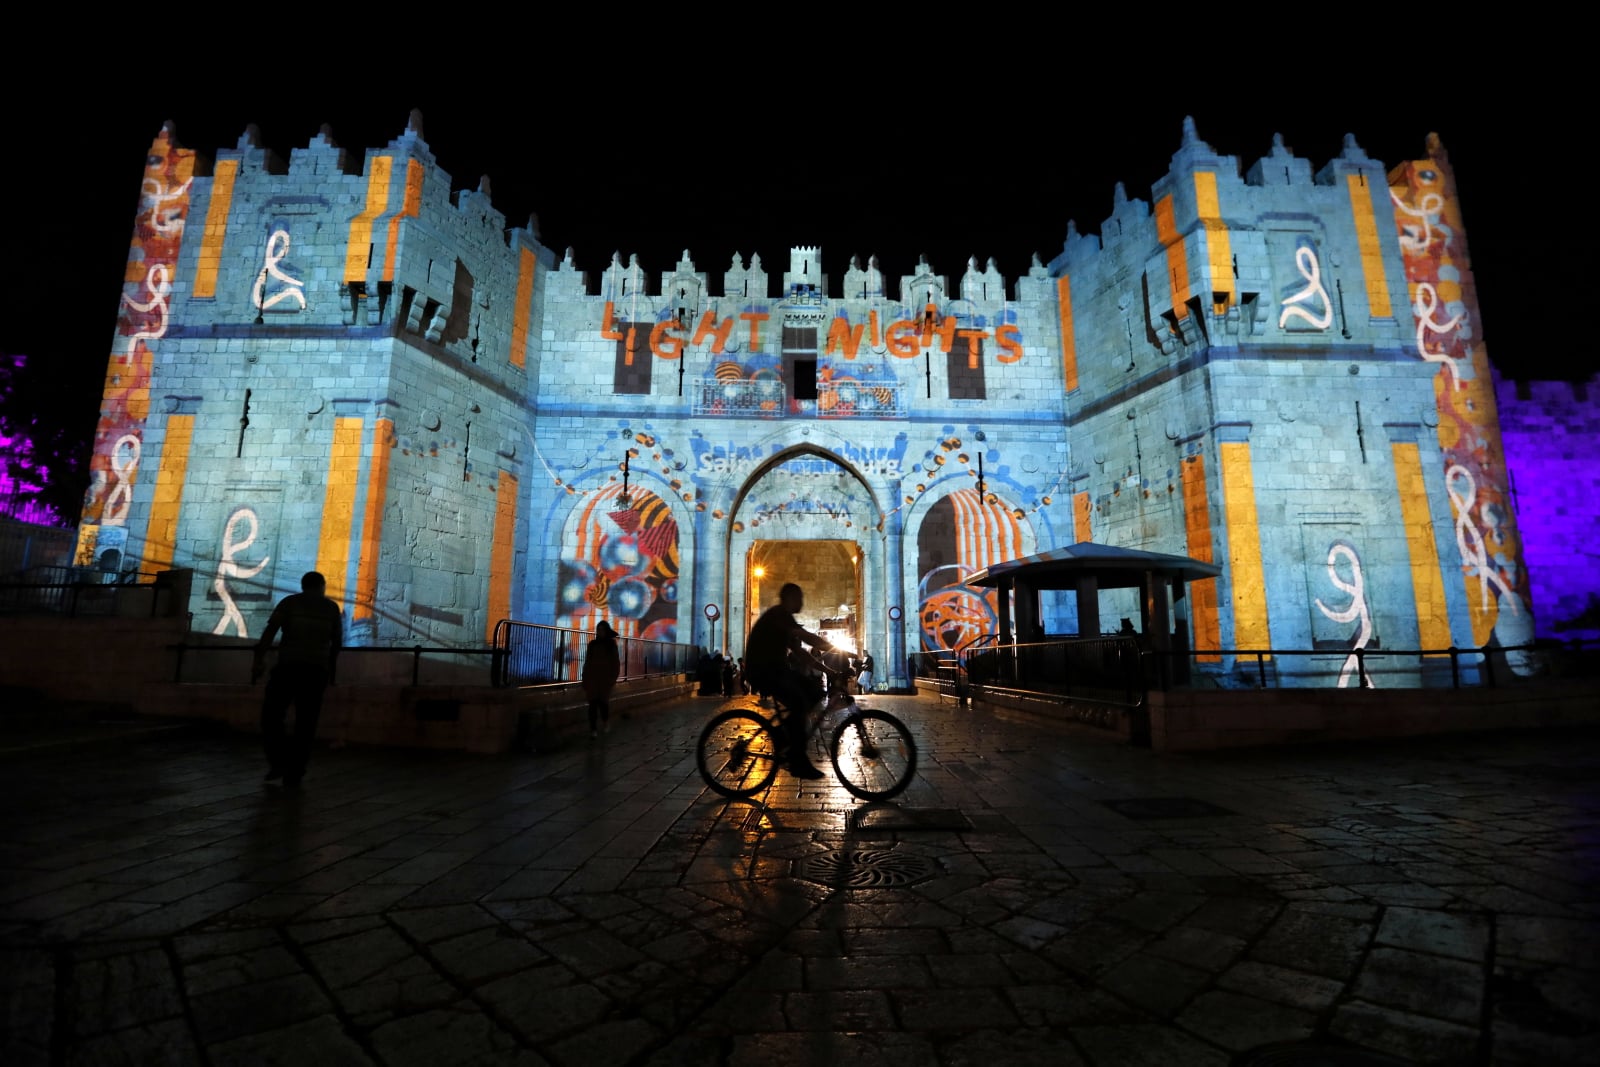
1037,896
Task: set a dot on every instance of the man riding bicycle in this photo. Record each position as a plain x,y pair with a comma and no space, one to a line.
779,666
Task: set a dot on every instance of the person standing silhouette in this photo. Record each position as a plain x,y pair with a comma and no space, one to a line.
313,634
601,665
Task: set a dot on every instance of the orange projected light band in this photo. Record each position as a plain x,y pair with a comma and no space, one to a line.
358,253
1219,246
1427,583
1177,256
161,535
216,228
1080,517
1203,615
1250,629
1371,252
500,553
339,505
1069,345
408,209
527,264
372,520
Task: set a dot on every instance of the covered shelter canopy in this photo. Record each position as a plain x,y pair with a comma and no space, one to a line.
1087,568
1115,568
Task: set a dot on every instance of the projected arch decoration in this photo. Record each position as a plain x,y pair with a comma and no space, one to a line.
619,563
963,533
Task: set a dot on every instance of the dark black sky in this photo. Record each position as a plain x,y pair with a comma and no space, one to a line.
952,169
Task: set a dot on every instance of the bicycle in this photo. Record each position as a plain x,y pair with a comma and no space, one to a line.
872,752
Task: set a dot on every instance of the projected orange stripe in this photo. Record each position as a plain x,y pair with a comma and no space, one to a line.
1250,628
527,264
372,520
161,535
1203,615
1177,255
1219,246
1371,251
339,505
1081,511
358,253
1069,344
408,209
1427,581
216,228
500,553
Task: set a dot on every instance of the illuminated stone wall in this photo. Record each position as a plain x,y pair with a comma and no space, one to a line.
341,364
1551,432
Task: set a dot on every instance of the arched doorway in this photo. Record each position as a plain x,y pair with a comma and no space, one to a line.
807,515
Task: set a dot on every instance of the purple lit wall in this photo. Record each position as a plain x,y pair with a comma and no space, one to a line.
20,475
1551,434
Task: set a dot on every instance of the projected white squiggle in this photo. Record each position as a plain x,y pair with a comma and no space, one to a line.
124,465
1418,238
294,288
1469,541
1354,611
154,194
1427,303
1305,261
159,288
230,568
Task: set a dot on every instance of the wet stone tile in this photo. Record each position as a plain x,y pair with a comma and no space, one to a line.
866,972
1324,944
1422,984
1158,986
1146,1045
1399,1033
118,991
942,1009
842,1009
1238,1022
1460,935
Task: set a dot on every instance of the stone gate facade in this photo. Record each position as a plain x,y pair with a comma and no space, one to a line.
339,364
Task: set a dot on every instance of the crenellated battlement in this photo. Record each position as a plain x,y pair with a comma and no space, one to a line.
345,365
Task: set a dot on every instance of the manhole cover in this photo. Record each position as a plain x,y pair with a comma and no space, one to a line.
898,819
864,868
1165,808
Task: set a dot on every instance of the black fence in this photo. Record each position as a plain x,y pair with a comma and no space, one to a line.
75,591
1117,670
531,653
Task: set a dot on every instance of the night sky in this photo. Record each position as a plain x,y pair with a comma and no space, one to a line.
954,170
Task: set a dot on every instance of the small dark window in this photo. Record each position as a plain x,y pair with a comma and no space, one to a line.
805,379
632,371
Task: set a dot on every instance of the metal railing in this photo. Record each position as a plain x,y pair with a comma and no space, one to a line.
532,654
415,665
1116,670
74,592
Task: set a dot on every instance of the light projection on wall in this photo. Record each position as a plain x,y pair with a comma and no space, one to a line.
1342,557
807,489
1444,307
1309,306
238,535
141,318
962,533
620,563
273,279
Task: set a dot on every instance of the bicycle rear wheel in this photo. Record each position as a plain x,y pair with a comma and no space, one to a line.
874,754
738,754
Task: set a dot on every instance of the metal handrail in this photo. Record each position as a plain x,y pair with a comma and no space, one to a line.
529,654
416,652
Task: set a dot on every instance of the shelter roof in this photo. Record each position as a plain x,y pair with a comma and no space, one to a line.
1112,567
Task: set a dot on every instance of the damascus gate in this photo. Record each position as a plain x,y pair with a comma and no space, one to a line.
340,364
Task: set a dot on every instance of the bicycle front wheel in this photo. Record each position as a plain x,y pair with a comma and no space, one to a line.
738,754
874,755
